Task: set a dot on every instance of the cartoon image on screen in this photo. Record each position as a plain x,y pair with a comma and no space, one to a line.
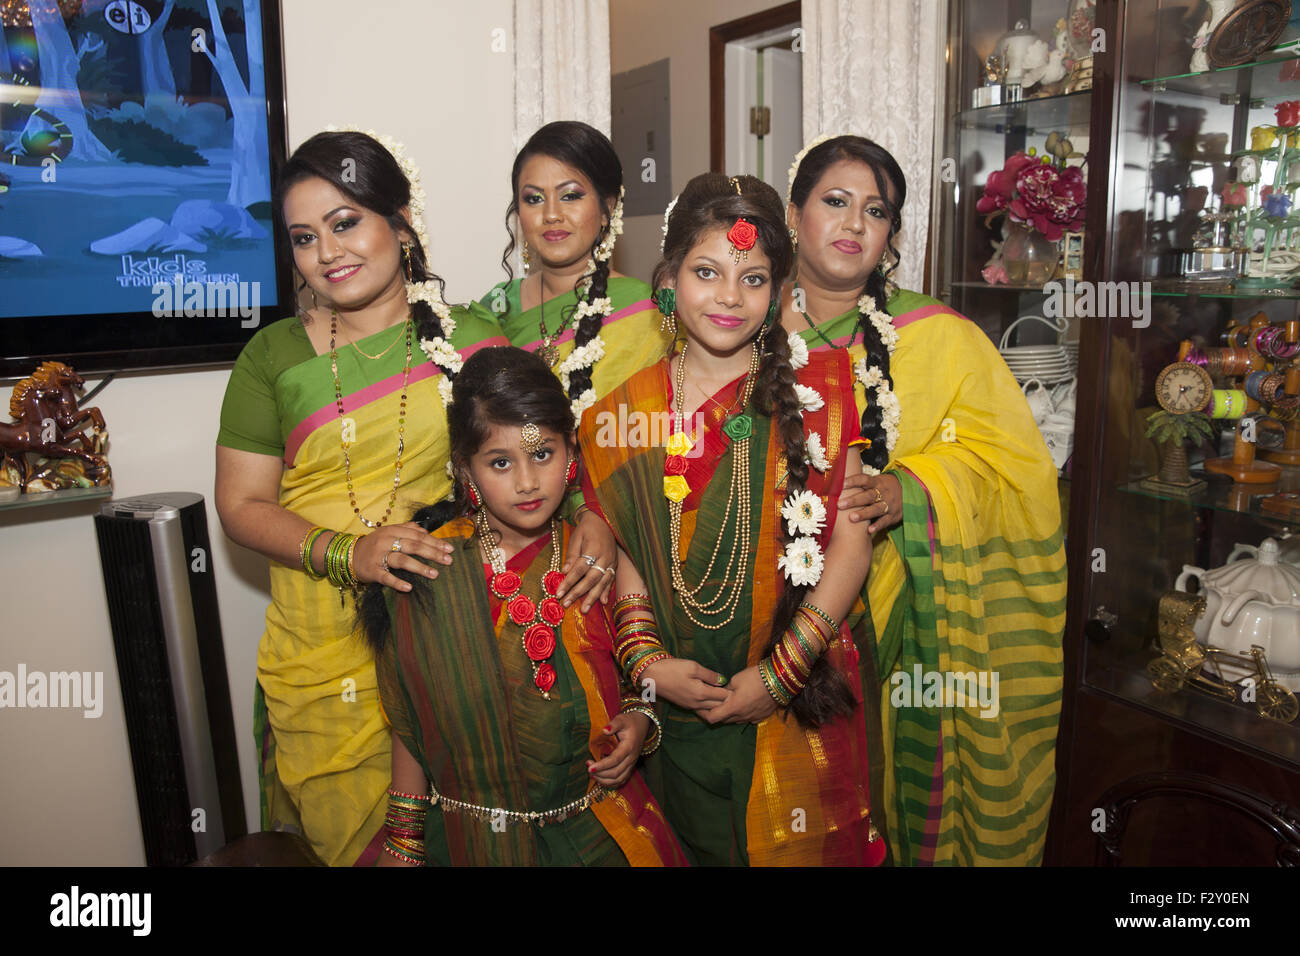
134,152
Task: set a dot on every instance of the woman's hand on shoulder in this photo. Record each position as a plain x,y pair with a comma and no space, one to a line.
376,554
591,563
877,499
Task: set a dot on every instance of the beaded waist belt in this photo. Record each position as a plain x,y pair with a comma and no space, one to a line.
539,818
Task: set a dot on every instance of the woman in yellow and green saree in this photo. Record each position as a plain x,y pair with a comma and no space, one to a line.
968,573
512,743
332,431
593,326
718,470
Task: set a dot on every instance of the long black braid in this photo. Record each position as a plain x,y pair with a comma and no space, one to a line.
890,179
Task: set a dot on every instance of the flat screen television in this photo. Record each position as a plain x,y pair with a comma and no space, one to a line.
138,144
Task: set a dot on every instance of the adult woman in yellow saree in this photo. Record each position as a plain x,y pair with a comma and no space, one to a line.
333,430
968,572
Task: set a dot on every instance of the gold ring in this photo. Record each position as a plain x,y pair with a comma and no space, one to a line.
385,564
879,496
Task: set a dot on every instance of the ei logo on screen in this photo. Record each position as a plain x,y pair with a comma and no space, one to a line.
131,16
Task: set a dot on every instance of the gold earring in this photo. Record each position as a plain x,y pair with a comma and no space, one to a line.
406,260
525,257
669,325
794,239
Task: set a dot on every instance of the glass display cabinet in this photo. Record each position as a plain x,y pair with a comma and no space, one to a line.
1018,97
1179,741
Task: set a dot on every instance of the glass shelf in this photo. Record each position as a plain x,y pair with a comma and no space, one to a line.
1067,112
11,500
1216,290
1123,674
1001,287
1265,84
1223,494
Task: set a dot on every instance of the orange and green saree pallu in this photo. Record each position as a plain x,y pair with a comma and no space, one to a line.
765,794
323,745
632,335
972,582
458,689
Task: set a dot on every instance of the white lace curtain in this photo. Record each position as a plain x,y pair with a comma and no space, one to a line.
871,67
561,64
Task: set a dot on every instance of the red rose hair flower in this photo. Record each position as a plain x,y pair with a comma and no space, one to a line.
742,235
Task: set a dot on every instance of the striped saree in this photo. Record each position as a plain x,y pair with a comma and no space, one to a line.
765,794
972,581
323,745
458,690
631,332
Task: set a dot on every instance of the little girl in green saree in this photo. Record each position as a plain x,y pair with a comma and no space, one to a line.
512,741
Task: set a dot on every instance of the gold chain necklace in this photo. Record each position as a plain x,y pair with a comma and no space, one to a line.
352,343
739,428
548,350
401,424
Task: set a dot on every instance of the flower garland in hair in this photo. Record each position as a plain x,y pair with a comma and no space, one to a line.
803,561
588,355
663,241
798,158
439,349
873,378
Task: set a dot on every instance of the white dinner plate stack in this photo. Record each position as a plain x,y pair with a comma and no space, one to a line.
1048,364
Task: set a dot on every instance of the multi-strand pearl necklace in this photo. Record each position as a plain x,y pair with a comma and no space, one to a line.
740,429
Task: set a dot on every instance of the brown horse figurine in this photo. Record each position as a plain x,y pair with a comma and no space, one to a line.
45,406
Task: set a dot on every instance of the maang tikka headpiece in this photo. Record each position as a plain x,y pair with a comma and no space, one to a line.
530,439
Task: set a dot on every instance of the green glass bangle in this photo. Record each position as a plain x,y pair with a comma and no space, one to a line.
307,545
830,622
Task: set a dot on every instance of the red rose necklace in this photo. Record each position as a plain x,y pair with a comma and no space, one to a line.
538,619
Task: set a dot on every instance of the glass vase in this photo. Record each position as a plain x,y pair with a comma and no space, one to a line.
1029,257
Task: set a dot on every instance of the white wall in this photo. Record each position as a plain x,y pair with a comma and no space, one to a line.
641,33
421,71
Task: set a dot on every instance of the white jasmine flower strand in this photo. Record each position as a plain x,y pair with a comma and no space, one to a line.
798,158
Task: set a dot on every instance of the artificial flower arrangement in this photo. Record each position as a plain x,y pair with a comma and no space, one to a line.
1041,193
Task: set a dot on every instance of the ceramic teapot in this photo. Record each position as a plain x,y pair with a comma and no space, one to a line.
1253,601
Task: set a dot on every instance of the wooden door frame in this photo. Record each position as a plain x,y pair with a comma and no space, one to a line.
719,37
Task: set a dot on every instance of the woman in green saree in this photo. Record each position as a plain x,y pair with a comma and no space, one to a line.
593,326
765,757
512,744
968,571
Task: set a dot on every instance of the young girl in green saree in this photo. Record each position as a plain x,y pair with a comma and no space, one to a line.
512,744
